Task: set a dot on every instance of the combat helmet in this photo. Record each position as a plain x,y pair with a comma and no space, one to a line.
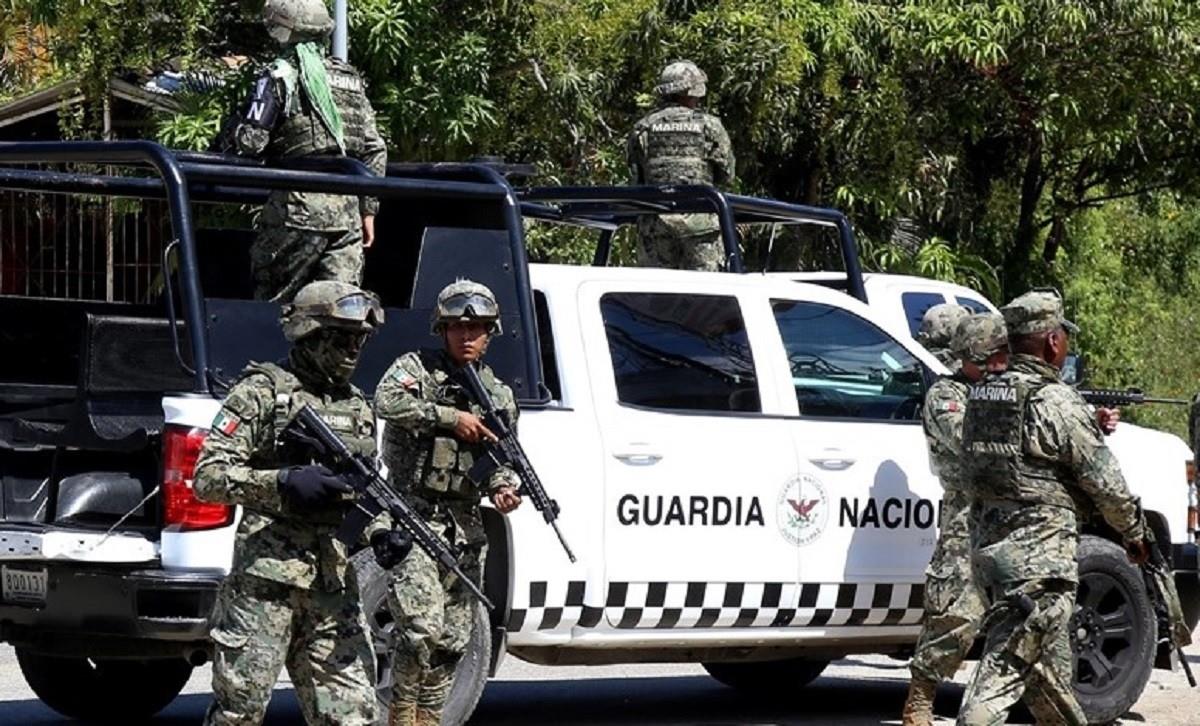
682,78
295,21
465,300
330,304
938,324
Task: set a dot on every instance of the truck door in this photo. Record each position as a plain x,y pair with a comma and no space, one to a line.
693,461
857,431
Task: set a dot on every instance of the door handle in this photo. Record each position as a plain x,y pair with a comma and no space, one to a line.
638,455
833,460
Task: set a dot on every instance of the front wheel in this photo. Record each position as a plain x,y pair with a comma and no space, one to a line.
1113,631
470,676
766,676
116,691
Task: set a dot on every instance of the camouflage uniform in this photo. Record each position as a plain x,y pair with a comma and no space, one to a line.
1035,457
954,604
306,236
677,145
419,401
291,597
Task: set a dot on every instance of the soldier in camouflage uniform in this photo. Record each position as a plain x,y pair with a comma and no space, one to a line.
432,438
291,597
937,329
1035,459
954,604
680,144
308,104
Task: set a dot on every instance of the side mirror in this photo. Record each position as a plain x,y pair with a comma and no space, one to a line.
1074,370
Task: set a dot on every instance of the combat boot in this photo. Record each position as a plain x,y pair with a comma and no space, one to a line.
428,716
918,709
402,713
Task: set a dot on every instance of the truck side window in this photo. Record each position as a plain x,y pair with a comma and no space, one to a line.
915,304
972,304
845,367
546,345
680,352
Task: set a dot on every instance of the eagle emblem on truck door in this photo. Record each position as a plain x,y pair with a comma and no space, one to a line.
802,509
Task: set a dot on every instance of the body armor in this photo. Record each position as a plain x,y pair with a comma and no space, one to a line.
439,464
300,132
676,146
268,538
998,466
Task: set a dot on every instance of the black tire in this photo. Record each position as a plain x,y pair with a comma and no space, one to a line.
469,678
114,691
1113,631
765,677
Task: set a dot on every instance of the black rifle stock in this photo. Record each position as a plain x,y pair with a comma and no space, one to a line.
375,495
507,451
1111,397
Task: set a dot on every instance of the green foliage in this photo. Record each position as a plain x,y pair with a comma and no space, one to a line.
997,143
1132,284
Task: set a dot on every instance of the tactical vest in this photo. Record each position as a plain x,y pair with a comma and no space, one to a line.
437,465
676,147
300,132
350,418
997,463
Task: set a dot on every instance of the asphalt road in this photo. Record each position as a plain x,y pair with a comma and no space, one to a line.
856,692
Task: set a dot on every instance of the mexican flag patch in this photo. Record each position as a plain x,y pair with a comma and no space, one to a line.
226,423
950,406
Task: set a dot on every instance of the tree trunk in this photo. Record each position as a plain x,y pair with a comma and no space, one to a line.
1016,262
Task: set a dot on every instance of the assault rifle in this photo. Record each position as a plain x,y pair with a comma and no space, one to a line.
1112,397
375,495
507,451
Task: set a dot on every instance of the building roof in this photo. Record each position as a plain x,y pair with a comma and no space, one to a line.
69,93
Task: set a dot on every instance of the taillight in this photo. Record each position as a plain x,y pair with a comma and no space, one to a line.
181,447
1193,513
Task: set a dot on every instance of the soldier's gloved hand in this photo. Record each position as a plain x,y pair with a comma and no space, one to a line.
1138,551
391,546
310,487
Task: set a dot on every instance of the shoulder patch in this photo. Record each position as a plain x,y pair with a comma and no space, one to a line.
226,422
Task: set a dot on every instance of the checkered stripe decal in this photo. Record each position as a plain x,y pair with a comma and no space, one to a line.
629,605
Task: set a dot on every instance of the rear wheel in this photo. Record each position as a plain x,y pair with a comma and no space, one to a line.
1113,631
472,672
767,676
105,691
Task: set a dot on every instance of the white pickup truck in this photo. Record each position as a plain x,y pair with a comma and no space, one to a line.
737,457
743,473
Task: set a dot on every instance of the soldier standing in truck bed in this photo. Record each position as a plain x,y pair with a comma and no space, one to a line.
680,144
308,104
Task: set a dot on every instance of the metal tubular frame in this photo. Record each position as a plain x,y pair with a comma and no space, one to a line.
184,176
593,206
218,178
516,242
175,188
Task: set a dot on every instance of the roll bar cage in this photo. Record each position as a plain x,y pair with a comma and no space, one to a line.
182,177
608,208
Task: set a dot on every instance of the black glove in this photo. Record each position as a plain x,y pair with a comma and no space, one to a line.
391,546
311,487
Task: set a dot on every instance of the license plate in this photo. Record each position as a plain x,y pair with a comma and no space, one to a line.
23,586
